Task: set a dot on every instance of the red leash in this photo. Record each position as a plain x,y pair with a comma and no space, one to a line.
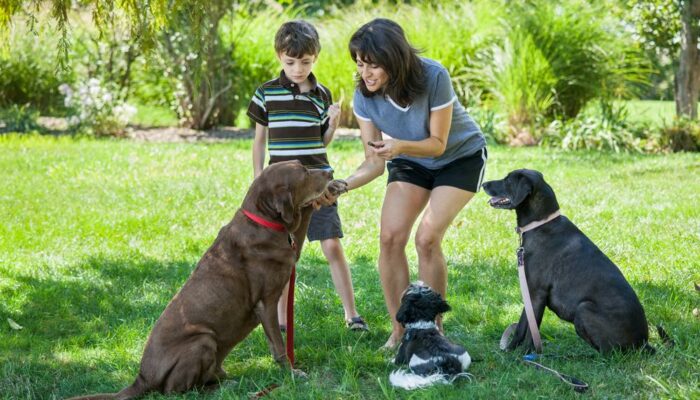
290,317
290,298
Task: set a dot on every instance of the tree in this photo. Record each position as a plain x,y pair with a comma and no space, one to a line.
672,28
202,64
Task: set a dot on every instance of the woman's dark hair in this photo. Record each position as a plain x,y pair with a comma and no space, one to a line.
382,42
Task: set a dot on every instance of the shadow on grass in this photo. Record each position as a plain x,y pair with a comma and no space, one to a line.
87,328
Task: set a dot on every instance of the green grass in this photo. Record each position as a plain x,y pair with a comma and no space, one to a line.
153,116
96,236
654,112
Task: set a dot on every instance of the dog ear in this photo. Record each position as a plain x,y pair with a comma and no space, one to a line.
443,307
523,188
404,315
283,204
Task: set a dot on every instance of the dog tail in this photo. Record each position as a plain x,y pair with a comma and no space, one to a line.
410,381
665,338
668,341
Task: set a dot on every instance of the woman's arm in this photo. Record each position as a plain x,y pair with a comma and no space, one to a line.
259,144
434,146
373,165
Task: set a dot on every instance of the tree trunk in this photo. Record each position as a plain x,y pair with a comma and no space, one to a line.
688,74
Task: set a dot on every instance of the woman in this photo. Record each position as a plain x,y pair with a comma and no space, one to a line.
409,115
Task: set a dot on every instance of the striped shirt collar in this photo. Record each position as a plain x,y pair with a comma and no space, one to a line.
288,84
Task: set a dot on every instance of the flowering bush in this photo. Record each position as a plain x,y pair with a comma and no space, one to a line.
96,110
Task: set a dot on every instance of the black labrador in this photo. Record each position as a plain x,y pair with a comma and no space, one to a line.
567,272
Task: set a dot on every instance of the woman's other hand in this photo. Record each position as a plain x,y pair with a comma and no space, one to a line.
386,149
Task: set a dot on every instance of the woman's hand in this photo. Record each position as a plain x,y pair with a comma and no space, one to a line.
386,149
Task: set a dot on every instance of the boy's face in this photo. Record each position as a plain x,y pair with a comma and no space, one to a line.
297,70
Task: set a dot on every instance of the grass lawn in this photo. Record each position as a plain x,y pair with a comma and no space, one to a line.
654,112
96,236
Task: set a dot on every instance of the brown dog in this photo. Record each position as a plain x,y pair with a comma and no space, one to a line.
235,286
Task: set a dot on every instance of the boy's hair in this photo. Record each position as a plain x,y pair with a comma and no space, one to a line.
383,42
297,39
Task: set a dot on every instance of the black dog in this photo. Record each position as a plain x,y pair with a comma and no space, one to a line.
567,272
430,356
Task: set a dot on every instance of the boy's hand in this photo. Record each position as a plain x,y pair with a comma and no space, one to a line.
334,115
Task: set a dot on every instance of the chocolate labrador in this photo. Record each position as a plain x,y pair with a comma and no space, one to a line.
566,271
234,287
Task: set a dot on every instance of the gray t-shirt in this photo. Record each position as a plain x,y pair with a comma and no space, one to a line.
413,122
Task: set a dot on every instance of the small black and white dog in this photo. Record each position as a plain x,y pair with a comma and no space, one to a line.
430,356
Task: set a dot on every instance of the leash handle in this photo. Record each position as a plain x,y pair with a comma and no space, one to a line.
290,317
529,311
575,383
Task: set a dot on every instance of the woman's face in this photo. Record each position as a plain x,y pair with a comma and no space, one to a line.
374,76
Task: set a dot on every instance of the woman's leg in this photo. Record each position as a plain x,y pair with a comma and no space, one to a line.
444,205
403,203
340,273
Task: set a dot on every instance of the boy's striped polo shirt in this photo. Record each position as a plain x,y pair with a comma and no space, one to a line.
296,121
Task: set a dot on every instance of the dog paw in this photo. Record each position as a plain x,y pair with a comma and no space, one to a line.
337,187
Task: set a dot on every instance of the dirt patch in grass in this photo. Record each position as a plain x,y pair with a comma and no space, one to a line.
59,126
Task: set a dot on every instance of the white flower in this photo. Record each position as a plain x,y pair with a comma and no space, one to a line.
73,120
65,89
107,97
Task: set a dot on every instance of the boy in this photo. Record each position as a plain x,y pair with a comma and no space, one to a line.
295,117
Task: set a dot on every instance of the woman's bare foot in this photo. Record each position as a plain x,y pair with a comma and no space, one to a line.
392,343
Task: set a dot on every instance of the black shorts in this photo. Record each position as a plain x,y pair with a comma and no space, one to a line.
325,224
464,173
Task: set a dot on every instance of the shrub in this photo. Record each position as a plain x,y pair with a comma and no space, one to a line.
28,71
682,134
590,56
97,110
19,118
603,129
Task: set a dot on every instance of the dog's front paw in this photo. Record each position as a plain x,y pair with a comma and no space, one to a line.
337,187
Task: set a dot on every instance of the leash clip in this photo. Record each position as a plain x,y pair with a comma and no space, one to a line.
521,256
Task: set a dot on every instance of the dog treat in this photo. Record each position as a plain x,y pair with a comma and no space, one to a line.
371,143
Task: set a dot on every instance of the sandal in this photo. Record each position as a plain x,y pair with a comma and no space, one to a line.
357,324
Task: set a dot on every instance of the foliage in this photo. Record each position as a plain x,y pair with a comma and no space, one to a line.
19,118
28,72
605,130
657,24
98,110
521,80
200,65
588,55
109,54
682,134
